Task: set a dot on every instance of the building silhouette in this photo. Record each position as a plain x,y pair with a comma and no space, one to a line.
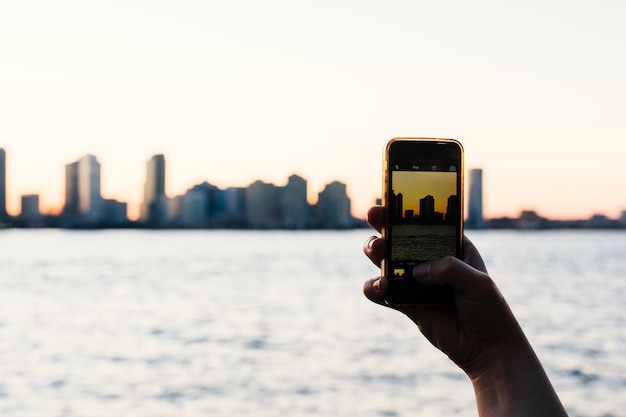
452,210
262,207
29,213
3,186
332,210
475,219
153,211
83,202
205,205
398,206
295,208
115,213
90,202
231,208
84,205
192,208
427,209
70,208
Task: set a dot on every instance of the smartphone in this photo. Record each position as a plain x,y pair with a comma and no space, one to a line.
423,196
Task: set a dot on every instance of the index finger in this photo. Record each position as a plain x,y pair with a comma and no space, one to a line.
376,217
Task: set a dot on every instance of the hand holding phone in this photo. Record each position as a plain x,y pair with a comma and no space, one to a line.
423,196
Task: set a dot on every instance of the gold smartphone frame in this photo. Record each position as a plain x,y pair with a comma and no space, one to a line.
429,145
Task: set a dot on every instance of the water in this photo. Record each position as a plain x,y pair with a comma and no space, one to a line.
239,323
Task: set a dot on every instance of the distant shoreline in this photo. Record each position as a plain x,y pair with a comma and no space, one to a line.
527,221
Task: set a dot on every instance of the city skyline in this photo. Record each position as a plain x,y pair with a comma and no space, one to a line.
414,186
153,188
155,177
260,205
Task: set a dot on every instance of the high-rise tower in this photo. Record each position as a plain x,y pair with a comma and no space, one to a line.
154,206
333,207
295,208
70,209
83,202
475,218
90,203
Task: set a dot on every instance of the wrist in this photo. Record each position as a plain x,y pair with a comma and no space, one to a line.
514,383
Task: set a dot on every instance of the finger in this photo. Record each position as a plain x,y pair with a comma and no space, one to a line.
463,278
472,256
376,217
374,248
375,289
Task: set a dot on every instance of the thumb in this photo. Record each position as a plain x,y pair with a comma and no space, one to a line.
463,278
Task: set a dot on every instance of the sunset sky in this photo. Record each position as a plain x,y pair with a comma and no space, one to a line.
414,186
239,90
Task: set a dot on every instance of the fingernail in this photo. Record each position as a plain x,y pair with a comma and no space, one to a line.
421,272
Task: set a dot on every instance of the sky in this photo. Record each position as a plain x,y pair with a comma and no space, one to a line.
414,186
239,90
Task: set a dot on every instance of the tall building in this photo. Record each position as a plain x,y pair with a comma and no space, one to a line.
90,202
3,185
452,209
262,206
231,208
333,207
153,209
427,209
70,208
475,218
84,204
397,206
295,208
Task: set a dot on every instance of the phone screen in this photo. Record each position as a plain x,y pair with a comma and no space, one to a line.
424,204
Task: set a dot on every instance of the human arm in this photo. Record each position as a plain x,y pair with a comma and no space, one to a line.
479,332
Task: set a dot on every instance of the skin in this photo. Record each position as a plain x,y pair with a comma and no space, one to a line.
479,332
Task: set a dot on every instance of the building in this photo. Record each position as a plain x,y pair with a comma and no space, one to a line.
427,210
475,219
83,202
230,208
295,208
452,210
115,213
397,207
332,210
153,210
3,185
90,202
70,208
190,210
263,206
30,214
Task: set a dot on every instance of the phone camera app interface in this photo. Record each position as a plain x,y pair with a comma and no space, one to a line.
424,210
